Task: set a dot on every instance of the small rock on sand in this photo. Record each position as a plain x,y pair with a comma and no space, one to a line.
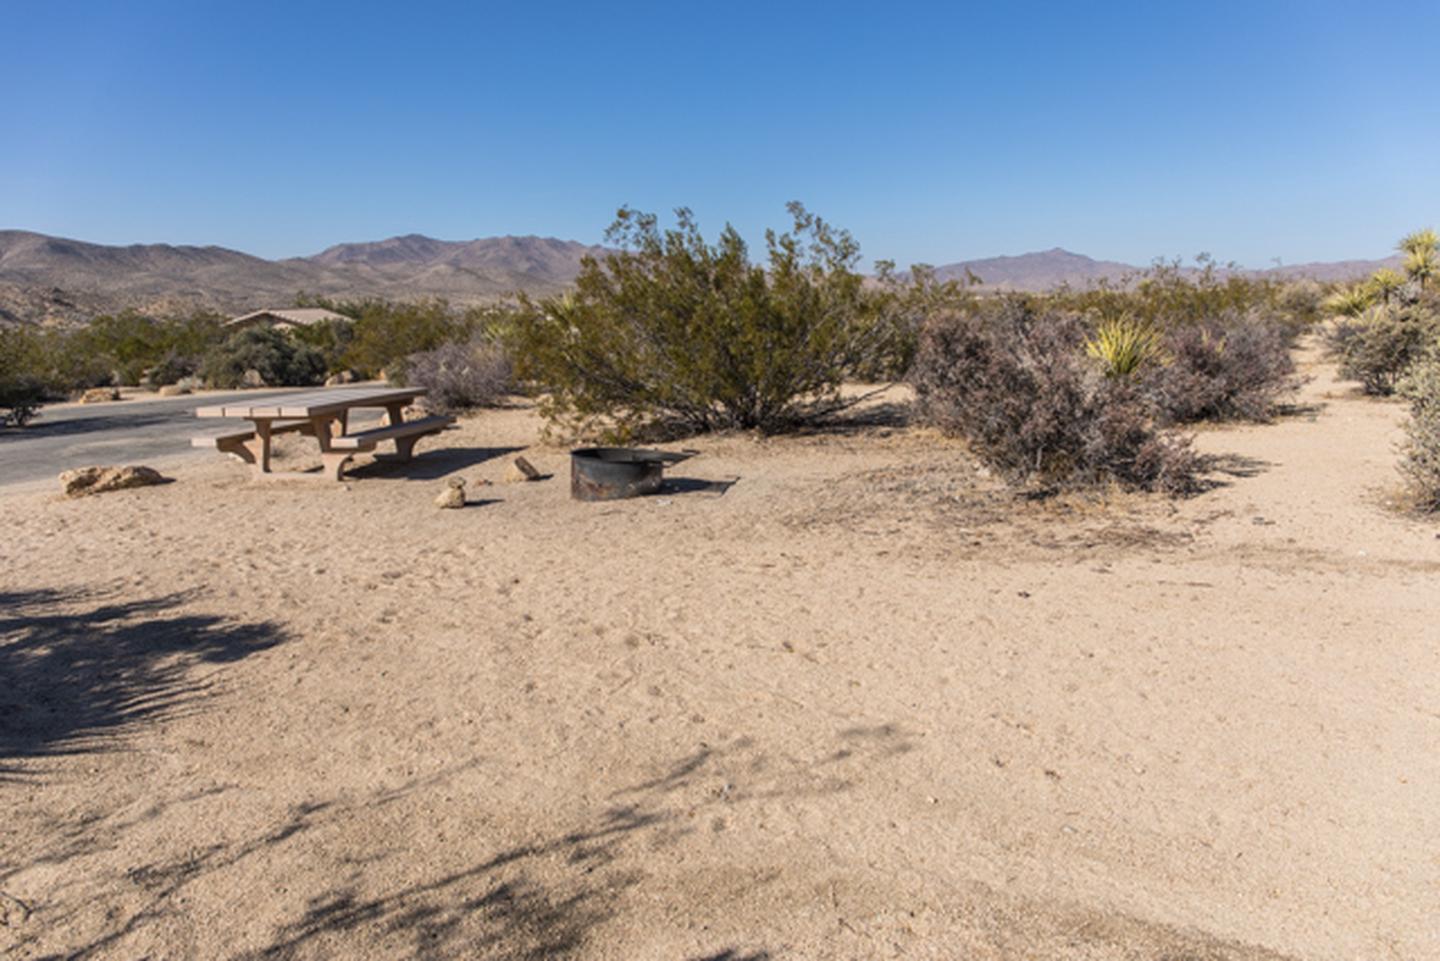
520,471
97,480
453,496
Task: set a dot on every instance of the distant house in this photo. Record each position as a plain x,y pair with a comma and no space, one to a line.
288,319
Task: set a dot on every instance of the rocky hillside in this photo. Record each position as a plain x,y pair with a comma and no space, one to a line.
53,279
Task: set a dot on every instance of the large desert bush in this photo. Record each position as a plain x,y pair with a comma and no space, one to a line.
461,376
673,330
1017,383
280,360
1233,367
1378,348
1420,455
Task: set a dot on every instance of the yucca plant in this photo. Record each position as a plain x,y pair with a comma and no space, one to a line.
1421,249
1350,301
1384,284
1123,345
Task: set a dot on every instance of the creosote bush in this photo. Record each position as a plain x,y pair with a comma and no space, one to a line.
1235,367
1018,385
1378,348
280,360
674,332
1420,454
461,376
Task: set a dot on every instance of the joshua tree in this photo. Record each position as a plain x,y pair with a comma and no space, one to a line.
1420,249
1385,284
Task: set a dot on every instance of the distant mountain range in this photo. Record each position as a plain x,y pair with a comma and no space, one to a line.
52,279
1046,269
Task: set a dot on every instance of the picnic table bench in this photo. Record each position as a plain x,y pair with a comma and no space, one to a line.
324,415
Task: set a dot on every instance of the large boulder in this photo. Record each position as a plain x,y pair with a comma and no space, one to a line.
99,395
173,390
97,480
252,378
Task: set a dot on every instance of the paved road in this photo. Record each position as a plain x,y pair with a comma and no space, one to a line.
123,432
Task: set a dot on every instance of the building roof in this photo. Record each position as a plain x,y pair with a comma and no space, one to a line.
299,316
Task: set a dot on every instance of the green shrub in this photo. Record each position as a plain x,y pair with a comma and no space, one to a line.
20,400
173,368
280,360
332,338
385,334
1420,455
1016,383
1379,347
1235,367
672,330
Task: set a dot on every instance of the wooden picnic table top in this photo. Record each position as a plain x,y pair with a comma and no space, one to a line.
313,403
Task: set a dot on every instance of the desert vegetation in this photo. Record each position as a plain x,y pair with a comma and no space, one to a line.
1017,382
1420,455
675,332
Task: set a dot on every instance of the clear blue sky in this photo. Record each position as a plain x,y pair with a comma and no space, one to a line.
935,132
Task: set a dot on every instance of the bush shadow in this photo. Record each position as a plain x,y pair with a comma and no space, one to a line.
545,897
82,671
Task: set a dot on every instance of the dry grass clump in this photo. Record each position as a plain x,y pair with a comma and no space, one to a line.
1018,385
461,376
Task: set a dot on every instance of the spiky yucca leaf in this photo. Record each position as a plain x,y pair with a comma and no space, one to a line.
1123,345
1384,284
1350,301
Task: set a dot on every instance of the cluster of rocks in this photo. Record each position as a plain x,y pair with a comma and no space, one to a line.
520,471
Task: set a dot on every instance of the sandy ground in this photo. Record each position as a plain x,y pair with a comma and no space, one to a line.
860,703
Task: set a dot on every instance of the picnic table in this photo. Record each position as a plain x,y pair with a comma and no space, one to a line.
324,415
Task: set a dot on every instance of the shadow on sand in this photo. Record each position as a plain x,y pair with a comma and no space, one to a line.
431,463
538,899
80,672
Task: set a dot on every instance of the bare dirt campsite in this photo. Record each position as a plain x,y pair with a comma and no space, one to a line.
832,695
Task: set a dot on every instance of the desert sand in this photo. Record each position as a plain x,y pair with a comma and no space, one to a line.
862,702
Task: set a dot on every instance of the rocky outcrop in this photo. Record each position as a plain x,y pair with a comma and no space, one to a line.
84,481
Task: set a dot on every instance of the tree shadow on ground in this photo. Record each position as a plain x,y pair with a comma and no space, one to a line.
539,898
74,426
864,417
1234,466
80,672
